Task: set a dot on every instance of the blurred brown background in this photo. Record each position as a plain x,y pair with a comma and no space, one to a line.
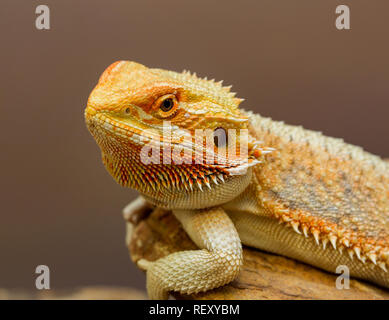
59,207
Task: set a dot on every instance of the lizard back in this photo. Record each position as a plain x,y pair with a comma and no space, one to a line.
323,186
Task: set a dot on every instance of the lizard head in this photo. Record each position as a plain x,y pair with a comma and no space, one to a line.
170,135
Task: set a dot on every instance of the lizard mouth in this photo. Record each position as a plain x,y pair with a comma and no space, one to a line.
100,124
136,136
122,144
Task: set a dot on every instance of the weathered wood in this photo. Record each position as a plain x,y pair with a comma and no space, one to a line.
263,276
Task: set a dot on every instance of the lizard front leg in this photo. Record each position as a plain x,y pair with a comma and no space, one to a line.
216,263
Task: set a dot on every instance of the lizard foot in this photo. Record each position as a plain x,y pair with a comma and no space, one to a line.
216,263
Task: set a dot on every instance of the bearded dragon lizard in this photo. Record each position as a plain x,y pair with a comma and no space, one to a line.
299,193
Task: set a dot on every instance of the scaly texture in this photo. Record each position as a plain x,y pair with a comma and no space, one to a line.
221,257
334,197
262,276
323,187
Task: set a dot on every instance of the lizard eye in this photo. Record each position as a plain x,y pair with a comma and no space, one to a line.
166,105
220,137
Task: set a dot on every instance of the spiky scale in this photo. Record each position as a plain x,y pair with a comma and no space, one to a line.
325,241
295,226
316,236
357,251
333,239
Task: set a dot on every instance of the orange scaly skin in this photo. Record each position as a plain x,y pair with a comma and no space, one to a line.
326,191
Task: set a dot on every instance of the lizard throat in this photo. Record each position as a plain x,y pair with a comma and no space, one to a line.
121,150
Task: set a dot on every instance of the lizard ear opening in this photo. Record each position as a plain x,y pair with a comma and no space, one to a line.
220,138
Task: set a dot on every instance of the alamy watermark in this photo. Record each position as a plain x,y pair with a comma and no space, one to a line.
43,280
342,21
203,146
42,21
343,281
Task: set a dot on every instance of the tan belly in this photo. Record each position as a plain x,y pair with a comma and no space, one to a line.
267,234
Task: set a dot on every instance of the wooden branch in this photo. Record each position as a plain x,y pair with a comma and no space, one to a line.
263,276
